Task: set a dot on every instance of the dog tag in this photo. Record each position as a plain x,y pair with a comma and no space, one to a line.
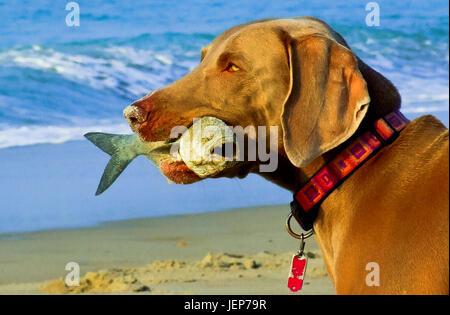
297,272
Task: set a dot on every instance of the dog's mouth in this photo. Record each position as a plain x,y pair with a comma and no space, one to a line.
178,172
168,160
206,149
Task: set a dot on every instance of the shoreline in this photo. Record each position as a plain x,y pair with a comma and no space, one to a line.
237,251
17,235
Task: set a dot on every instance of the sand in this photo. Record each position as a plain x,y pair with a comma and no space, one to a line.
242,251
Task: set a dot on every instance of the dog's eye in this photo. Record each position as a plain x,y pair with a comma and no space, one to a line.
232,68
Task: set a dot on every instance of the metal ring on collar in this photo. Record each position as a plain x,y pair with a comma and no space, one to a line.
302,236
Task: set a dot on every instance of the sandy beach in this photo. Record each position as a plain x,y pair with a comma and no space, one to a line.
239,251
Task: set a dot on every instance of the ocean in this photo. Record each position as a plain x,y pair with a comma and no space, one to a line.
58,82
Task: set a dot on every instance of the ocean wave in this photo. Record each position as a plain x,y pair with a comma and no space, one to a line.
417,65
103,75
424,109
421,91
29,135
128,71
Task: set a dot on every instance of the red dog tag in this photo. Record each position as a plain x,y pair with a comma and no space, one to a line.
297,273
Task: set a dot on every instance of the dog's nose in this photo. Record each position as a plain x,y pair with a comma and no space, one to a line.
135,115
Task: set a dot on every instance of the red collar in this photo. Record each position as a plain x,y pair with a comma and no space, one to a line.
307,199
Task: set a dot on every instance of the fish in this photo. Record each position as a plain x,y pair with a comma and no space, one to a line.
200,147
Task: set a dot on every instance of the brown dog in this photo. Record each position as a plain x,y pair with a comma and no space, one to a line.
301,76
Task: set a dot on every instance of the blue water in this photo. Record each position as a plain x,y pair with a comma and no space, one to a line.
57,82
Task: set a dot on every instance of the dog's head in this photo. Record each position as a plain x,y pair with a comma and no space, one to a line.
293,74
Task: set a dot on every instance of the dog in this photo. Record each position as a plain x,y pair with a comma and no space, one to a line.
300,75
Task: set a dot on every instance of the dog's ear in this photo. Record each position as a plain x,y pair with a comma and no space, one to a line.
328,97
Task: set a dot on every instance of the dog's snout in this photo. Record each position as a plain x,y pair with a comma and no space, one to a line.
135,115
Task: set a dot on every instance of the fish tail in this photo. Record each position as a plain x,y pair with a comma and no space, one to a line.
105,141
113,169
120,159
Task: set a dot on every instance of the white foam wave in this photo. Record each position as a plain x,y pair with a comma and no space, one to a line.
28,135
126,70
134,72
431,93
424,109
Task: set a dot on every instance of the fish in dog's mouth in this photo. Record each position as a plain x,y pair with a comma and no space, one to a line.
203,150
